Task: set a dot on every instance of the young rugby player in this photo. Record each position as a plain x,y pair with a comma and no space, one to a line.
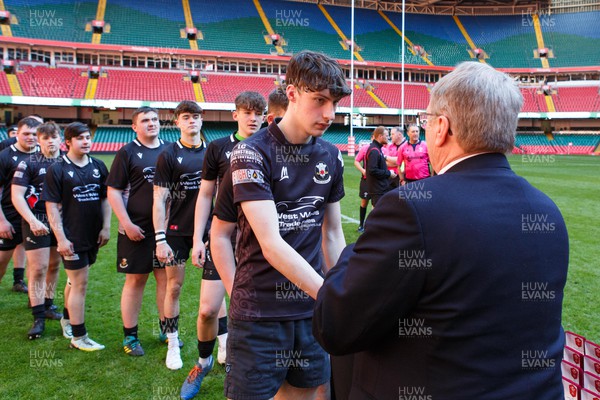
10,221
75,191
43,260
130,189
288,183
177,181
212,317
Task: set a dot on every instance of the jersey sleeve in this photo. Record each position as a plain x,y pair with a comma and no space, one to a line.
210,167
22,176
118,177
250,174
361,154
164,170
337,190
53,184
225,208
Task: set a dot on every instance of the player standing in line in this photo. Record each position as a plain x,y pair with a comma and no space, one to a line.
10,221
363,191
212,312
391,154
130,186
75,191
289,183
43,260
225,212
177,180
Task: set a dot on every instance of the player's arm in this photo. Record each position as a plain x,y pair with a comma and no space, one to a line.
201,214
159,220
391,161
17,194
64,245
6,228
104,235
262,216
333,235
115,198
222,251
359,167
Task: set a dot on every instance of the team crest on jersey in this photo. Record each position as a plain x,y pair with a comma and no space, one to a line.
321,173
180,159
140,155
123,264
96,173
70,173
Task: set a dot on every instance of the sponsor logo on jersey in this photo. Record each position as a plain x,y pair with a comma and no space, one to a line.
96,173
284,174
303,203
321,173
140,155
70,173
18,174
228,154
247,175
15,158
174,227
149,174
179,159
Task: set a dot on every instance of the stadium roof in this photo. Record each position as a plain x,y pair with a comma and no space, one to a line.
446,6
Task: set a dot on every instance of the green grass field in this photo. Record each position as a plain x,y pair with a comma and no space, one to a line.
47,369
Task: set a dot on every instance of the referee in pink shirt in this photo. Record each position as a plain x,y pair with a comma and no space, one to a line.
415,157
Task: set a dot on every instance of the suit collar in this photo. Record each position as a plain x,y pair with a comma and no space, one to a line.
485,160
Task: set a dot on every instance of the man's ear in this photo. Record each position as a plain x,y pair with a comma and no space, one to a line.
442,130
235,115
292,92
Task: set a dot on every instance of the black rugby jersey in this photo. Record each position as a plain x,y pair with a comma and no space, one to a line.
301,180
31,174
80,190
132,171
179,169
9,160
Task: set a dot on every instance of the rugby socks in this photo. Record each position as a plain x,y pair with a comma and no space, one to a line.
363,214
171,325
79,330
48,303
38,311
222,333
18,274
163,326
131,331
66,314
205,350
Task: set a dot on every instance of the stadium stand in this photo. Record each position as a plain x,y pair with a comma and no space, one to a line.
43,81
155,23
533,102
573,37
572,99
416,96
4,87
127,84
223,88
562,144
52,19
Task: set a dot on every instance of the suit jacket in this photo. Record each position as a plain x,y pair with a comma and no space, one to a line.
454,290
378,175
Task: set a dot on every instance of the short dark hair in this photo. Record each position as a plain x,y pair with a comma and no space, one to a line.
75,129
30,122
48,128
142,110
278,100
187,106
314,72
380,130
37,116
251,101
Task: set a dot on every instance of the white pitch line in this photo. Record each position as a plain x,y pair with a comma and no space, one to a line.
349,220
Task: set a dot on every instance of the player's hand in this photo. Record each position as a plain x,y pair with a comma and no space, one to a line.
198,254
103,237
38,228
402,182
65,248
6,230
134,232
164,254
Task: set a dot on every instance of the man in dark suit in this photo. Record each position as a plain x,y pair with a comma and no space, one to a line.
455,289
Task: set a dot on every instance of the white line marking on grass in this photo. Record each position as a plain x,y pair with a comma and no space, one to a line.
349,220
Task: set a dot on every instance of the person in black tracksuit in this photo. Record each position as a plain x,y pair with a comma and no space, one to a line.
378,175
